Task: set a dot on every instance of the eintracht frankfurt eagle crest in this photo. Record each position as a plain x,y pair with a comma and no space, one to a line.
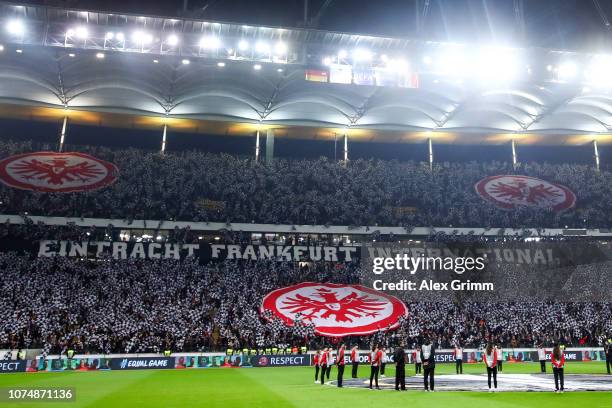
334,309
53,172
509,192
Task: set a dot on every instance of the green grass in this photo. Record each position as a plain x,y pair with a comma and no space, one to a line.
283,387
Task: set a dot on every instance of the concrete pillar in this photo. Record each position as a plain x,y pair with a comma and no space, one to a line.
430,153
63,134
596,151
270,146
163,144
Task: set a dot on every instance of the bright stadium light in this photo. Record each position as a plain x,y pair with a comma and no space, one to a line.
15,27
220,64
342,54
243,45
598,73
567,70
1,47
109,36
257,67
72,55
172,40
100,55
362,54
280,48
185,61
384,58
81,33
210,42
120,37
496,64
262,47
427,60
279,70
327,61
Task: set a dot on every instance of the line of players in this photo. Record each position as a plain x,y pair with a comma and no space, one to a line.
424,359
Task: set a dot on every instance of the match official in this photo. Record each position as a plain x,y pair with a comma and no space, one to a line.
542,357
417,361
340,363
500,358
608,355
399,357
428,356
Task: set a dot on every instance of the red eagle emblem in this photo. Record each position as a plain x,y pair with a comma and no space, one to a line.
344,309
56,172
334,310
509,191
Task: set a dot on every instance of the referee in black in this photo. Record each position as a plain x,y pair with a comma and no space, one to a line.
608,352
428,356
399,357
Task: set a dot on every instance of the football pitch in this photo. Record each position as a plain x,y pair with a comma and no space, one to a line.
286,387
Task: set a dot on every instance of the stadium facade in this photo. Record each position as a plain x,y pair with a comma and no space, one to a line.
133,71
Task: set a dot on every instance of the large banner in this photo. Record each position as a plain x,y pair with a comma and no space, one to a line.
139,363
512,191
53,172
11,366
334,309
293,360
551,254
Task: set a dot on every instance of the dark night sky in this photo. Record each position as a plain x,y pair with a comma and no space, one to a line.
568,24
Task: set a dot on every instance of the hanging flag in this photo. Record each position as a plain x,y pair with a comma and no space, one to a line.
316,75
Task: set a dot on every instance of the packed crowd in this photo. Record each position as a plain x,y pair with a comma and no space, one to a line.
196,186
149,305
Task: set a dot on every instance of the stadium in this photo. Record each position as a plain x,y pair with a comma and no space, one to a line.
300,203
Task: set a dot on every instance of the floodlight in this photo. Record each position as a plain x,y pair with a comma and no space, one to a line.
599,70
342,54
327,61
496,64
15,27
185,61
109,36
120,37
172,40
280,48
221,64
243,45
567,70
257,67
100,55
82,33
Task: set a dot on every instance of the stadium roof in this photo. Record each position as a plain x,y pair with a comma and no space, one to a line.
46,72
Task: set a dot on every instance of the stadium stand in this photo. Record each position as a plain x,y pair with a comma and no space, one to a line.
196,186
